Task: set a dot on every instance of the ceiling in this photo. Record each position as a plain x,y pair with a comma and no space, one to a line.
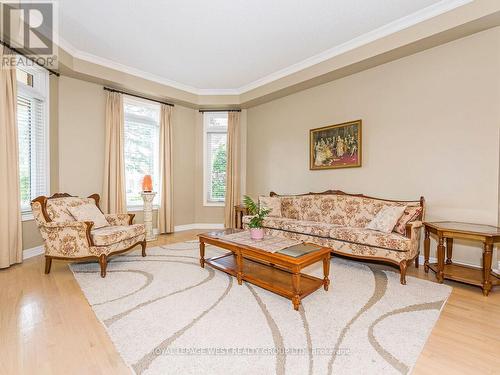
229,46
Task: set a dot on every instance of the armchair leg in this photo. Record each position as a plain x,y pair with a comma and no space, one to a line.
48,264
402,270
103,262
143,246
417,260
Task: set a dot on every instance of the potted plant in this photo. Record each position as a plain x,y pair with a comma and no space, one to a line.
258,213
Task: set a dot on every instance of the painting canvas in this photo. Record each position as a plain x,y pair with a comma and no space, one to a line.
336,146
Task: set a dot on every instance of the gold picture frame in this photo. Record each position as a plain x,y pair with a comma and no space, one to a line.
335,146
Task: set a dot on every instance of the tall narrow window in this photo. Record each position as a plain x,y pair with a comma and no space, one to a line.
215,157
142,147
32,122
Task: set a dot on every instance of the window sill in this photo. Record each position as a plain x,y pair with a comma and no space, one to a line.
214,204
27,216
141,208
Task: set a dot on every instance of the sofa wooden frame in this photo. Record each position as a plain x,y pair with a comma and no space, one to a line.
403,265
103,258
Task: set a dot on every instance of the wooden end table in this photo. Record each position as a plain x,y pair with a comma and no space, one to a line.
275,272
239,211
446,231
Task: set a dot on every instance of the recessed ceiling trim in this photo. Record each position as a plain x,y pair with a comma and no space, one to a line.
81,55
383,31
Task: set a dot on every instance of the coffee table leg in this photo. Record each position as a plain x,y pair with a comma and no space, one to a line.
296,290
326,272
202,254
239,268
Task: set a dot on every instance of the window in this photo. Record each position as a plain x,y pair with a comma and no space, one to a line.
214,169
32,123
142,148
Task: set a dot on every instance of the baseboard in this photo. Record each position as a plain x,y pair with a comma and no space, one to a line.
179,228
33,252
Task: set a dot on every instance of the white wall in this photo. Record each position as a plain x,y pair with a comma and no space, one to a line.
430,127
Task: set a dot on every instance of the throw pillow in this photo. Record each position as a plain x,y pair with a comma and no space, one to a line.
89,212
410,214
272,203
386,219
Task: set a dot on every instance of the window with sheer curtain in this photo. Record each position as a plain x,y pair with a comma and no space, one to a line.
215,157
142,148
33,136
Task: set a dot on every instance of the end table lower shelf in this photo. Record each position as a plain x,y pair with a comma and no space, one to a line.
465,274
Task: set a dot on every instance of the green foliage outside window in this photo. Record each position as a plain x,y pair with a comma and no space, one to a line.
219,173
25,190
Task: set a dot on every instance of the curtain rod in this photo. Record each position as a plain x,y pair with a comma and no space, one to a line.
220,110
29,58
137,96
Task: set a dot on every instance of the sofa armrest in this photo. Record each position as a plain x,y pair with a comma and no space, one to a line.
412,227
120,219
67,240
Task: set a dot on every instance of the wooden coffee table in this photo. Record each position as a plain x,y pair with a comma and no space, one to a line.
275,272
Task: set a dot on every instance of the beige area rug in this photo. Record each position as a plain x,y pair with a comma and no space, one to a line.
166,315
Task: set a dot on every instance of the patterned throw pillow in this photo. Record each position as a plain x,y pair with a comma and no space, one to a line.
410,214
89,212
386,218
273,203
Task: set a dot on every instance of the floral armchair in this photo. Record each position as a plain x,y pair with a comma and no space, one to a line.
68,239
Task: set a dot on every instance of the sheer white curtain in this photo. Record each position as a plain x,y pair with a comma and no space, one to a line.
232,169
10,213
166,212
114,196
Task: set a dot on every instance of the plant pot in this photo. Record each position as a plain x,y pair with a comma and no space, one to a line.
256,233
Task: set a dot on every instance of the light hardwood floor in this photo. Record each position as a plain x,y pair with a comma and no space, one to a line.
47,326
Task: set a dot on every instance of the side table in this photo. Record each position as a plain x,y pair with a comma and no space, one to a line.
447,231
239,211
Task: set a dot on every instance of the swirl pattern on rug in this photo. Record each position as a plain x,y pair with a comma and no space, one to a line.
167,315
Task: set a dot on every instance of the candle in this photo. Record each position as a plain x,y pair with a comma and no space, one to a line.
147,184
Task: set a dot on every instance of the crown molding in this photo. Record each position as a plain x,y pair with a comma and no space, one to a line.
383,31
422,15
81,55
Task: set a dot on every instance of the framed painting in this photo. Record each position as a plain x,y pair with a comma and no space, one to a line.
335,146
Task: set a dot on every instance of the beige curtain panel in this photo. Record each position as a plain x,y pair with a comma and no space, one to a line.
114,196
10,215
232,169
166,212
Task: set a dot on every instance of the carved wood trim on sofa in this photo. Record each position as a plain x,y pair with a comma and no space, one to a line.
340,192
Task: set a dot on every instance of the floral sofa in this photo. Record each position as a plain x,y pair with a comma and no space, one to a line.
66,238
337,220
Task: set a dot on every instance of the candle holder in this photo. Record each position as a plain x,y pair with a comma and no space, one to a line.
147,184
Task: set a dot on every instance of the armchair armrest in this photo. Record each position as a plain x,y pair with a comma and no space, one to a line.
120,219
411,227
68,239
